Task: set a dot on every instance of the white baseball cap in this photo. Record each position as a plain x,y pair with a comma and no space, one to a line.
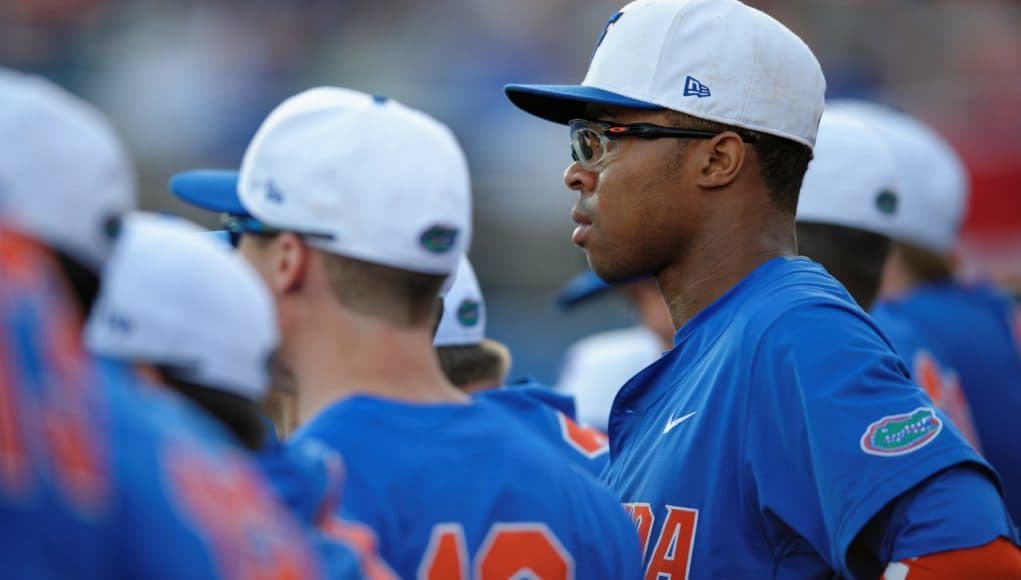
364,177
464,310
718,60
64,175
851,179
931,180
172,296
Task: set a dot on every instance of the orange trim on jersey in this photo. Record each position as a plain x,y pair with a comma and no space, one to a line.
999,559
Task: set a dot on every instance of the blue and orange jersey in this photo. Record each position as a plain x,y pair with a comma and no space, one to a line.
101,477
779,433
466,490
974,330
551,415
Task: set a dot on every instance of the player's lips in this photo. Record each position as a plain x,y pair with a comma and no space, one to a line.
584,222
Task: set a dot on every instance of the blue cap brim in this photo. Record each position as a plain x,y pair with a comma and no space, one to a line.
211,189
581,288
561,103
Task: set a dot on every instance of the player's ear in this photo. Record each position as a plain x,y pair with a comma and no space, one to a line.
290,263
719,160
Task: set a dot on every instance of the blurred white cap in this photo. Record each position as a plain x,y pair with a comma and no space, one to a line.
718,60
387,183
172,296
851,179
464,310
932,183
63,173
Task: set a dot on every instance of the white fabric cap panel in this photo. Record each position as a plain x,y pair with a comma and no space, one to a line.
388,183
63,172
172,296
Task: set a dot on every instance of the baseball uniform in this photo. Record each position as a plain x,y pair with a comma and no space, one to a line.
778,427
104,478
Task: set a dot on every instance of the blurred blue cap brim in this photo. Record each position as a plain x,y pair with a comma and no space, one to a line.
581,288
210,189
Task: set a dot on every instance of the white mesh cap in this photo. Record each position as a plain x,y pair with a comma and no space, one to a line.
714,59
464,311
931,180
63,172
851,179
387,183
172,296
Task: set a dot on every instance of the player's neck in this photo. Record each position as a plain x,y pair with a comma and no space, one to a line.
334,360
727,254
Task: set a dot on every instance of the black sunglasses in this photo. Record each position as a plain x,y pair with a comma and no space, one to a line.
591,141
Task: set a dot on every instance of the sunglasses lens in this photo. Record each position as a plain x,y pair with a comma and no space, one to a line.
586,145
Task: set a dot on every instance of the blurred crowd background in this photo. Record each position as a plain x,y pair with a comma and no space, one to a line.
187,83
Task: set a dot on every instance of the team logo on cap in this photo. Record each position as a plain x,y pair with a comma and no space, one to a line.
119,322
886,202
609,24
694,88
273,193
438,239
900,434
468,313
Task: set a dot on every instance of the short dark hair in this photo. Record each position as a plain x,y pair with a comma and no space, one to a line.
782,162
241,416
401,297
924,265
854,257
465,365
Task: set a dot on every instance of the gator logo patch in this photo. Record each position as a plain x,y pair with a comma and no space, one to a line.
468,313
438,239
900,434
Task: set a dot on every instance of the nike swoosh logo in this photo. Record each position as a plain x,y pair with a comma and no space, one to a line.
675,422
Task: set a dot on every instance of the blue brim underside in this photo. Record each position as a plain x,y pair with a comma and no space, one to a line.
561,103
581,288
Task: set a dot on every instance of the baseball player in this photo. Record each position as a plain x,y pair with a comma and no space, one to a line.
847,210
781,437
99,478
596,366
971,325
191,317
473,364
355,209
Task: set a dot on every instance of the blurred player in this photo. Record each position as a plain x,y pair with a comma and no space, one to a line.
972,326
781,436
99,479
472,362
355,209
190,316
596,366
478,365
847,209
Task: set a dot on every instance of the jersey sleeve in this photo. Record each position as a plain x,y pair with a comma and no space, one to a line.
836,430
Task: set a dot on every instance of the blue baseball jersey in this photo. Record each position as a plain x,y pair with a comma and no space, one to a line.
465,490
102,478
779,425
975,331
551,416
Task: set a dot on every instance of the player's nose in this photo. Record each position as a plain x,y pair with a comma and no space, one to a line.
577,178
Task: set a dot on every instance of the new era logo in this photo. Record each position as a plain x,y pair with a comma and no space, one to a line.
694,88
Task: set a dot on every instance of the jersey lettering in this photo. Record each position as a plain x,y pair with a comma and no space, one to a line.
671,558
510,550
585,440
641,515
